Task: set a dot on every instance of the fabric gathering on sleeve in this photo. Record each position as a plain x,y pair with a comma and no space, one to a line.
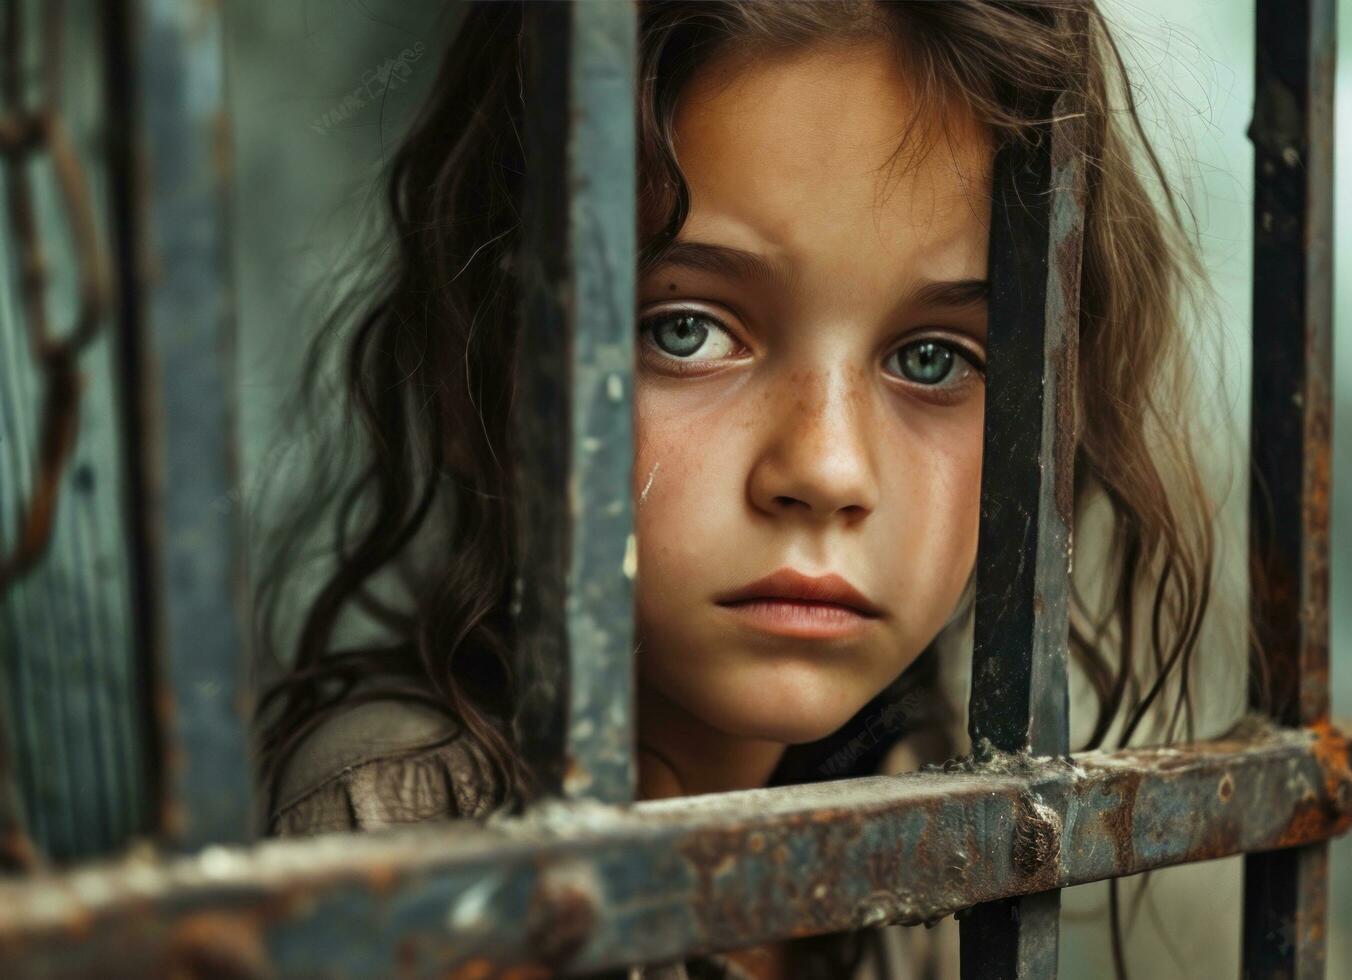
379,765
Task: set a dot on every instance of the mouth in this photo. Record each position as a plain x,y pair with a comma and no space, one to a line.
789,603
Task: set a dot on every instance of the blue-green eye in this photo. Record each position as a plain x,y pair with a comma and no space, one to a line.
688,336
929,362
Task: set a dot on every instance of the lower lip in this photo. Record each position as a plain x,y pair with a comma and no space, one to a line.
806,620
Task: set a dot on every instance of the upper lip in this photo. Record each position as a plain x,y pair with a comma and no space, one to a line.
790,584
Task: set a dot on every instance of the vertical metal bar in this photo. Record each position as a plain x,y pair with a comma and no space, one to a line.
175,328
1286,892
70,715
1019,699
573,426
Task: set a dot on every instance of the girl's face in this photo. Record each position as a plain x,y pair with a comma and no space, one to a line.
809,391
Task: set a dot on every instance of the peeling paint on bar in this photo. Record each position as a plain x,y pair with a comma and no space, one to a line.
597,886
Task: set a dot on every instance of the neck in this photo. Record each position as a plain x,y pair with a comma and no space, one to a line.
680,755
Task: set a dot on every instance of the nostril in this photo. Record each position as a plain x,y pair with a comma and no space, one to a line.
790,501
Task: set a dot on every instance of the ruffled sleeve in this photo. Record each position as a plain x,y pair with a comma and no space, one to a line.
382,764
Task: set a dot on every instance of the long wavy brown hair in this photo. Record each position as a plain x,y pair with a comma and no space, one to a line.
409,513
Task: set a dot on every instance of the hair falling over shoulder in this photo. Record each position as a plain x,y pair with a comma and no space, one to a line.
409,509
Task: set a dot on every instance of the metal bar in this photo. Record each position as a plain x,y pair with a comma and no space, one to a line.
176,339
1286,892
68,712
578,886
574,435
1019,698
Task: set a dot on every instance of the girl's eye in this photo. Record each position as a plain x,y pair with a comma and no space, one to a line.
932,363
689,336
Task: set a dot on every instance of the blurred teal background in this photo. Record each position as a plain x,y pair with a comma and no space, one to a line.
307,158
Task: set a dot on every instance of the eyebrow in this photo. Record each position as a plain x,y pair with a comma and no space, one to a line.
726,260
955,293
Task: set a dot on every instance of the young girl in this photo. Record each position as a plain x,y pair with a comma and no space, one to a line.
814,207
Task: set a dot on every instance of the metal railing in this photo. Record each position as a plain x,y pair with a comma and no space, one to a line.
587,879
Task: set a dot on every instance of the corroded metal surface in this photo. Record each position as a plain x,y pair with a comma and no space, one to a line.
573,430
26,136
179,326
1022,601
1019,694
1286,893
71,781
575,887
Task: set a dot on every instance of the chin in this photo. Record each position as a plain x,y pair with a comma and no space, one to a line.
776,727
785,703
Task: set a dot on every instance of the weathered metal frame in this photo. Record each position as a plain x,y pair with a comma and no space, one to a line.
589,880
1286,892
578,886
574,436
1019,696
175,333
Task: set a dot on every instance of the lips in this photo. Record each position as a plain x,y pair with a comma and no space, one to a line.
791,605
797,587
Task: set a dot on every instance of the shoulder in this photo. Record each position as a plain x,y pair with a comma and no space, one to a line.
379,764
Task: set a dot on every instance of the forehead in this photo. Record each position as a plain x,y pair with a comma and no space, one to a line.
796,152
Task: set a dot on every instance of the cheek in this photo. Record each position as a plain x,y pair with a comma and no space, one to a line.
683,488
933,504
958,462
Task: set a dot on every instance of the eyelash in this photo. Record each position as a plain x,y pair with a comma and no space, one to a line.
973,361
670,361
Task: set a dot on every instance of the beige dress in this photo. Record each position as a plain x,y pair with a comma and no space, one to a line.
371,767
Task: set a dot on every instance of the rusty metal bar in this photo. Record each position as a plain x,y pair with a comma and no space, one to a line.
70,714
176,343
1286,892
1019,698
573,430
577,886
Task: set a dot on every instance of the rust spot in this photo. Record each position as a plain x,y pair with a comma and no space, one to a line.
525,973
382,879
479,969
574,772
1329,813
1332,750
562,916
17,851
1226,789
1309,822
217,946
712,855
1120,820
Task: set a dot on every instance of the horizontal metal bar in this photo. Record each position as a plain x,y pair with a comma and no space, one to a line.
583,886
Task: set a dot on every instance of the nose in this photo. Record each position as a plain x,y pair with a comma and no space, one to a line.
815,460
